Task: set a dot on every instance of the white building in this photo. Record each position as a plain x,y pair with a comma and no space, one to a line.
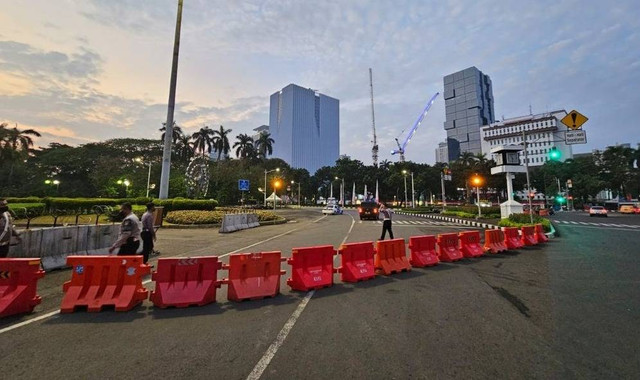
305,127
442,153
543,132
259,131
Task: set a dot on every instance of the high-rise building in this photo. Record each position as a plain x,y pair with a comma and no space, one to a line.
305,127
544,132
442,153
469,102
259,131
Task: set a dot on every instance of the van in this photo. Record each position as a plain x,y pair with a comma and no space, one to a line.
627,209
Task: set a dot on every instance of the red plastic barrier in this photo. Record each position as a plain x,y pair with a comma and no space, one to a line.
99,281
182,282
448,249
512,238
391,256
470,244
311,268
494,241
423,251
18,285
253,276
529,236
357,262
540,236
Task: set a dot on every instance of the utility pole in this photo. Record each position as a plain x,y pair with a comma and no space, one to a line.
444,199
374,150
413,193
526,165
168,135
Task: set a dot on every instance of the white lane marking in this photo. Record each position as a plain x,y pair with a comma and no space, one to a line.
54,312
263,363
282,335
586,224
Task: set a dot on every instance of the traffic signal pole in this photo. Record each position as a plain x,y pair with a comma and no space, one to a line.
444,199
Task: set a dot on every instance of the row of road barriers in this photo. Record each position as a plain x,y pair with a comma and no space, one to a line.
237,222
117,281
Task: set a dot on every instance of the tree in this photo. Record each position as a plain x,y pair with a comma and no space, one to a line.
176,131
183,149
617,168
203,140
264,145
16,144
221,141
244,145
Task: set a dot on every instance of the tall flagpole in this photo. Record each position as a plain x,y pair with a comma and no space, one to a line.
168,134
377,197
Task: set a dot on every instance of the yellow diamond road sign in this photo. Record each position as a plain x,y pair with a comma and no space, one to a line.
574,120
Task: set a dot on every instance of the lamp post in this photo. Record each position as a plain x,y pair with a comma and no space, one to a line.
477,181
53,182
126,184
341,191
265,185
413,193
293,183
276,184
140,161
404,173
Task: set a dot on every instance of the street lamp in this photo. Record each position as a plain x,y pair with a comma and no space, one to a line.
477,181
293,183
140,161
265,185
404,173
53,182
126,184
276,185
341,190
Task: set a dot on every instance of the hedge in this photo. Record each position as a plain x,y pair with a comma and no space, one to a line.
209,217
474,209
88,203
520,220
24,200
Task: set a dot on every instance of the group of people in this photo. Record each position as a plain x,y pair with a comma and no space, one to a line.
132,231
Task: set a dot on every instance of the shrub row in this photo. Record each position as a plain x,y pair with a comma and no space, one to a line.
25,200
208,217
474,209
88,203
519,220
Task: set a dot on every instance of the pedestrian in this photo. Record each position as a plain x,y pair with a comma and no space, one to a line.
148,233
387,214
6,229
129,236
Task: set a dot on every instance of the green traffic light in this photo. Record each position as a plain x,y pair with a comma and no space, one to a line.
554,154
560,199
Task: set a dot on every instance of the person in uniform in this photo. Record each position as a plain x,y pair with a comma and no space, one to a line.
129,236
387,214
6,229
148,233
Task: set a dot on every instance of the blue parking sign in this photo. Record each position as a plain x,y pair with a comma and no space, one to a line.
243,184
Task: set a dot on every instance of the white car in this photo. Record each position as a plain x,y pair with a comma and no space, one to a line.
332,210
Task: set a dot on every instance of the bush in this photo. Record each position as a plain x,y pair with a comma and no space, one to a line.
519,220
24,200
22,210
178,204
474,209
209,217
88,203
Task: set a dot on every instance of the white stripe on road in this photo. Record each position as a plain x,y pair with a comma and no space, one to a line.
55,312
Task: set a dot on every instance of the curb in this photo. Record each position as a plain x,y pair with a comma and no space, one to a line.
188,226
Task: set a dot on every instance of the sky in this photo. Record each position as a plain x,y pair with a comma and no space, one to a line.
83,71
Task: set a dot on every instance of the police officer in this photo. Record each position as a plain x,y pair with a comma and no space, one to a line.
129,236
6,229
387,214
148,233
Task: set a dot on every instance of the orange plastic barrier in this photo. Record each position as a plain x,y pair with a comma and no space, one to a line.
99,281
357,262
448,249
423,251
18,285
253,276
529,235
391,256
311,268
185,282
540,236
470,244
494,241
512,238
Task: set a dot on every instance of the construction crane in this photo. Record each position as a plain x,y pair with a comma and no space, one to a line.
402,148
374,150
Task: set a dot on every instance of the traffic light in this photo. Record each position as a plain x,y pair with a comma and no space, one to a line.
554,154
560,199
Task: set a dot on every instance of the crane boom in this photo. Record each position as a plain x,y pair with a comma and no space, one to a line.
374,149
401,148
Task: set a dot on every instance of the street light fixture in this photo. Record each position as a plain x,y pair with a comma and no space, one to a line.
265,185
293,183
276,185
140,161
404,173
126,184
341,191
53,182
477,181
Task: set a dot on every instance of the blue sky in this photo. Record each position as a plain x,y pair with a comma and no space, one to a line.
92,70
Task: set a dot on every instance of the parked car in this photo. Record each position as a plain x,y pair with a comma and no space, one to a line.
369,210
332,210
598,211
629,209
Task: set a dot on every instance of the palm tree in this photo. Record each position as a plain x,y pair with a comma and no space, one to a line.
15,144
183,148
221,141
385,164
264,145
203,140
243,145
176,131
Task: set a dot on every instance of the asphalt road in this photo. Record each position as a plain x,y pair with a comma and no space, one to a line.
566,310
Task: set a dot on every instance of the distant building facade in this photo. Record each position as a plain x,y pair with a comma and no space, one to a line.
543,132
305,127
442,153
259,131
469,105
